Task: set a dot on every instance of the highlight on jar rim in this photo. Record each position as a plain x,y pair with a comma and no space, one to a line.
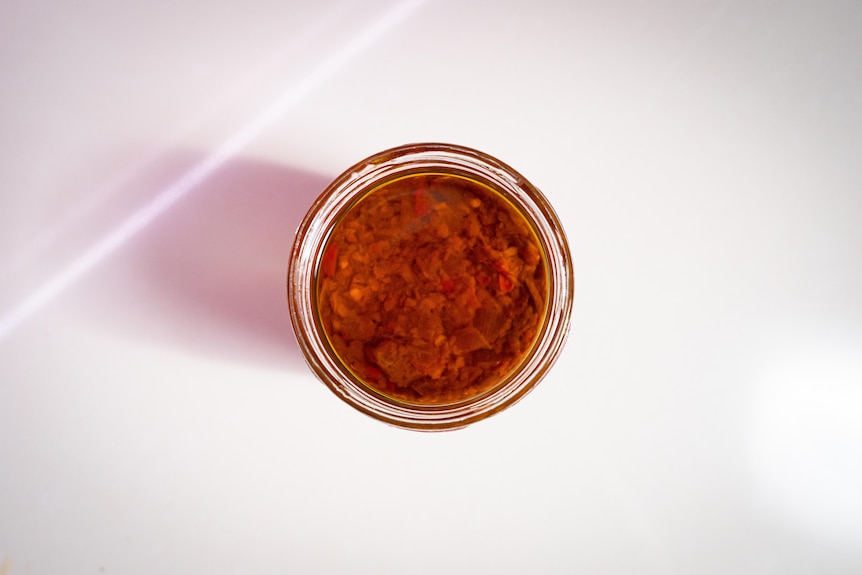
430,286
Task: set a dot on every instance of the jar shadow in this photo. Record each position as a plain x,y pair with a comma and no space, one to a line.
209,275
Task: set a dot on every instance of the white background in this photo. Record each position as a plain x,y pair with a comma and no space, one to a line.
704,157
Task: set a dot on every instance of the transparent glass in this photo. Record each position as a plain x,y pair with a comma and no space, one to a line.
308,265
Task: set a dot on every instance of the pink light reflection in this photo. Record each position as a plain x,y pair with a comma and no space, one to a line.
169,196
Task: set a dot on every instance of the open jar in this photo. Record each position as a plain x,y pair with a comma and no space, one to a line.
430,286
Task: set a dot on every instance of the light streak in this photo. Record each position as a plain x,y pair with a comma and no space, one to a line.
171,194
208,110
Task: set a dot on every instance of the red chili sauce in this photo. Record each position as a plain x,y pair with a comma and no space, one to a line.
432,289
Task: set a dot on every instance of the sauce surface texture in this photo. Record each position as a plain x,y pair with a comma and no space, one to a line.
431,289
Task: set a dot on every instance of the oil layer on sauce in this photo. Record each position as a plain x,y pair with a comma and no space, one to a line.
431,289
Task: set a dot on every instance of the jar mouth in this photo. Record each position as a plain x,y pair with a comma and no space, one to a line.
379,390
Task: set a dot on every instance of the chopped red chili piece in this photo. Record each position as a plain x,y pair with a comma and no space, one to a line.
372,372
330,259
421,201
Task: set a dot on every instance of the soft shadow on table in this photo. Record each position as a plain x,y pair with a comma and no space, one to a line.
209,274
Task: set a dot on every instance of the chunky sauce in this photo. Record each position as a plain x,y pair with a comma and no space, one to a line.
431,289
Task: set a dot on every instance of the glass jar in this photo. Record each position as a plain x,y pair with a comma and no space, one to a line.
430,286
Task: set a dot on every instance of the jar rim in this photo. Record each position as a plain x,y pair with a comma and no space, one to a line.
353,183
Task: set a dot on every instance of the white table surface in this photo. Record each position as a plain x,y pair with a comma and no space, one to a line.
156,415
